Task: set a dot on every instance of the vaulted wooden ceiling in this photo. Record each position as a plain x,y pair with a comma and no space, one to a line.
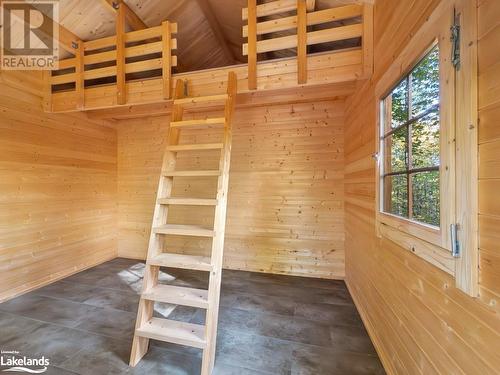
209,31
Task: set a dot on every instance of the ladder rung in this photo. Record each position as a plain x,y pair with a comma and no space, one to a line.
206,173
203,146
201,99
188,201
183,261
173,331
178,295
208,121
184,230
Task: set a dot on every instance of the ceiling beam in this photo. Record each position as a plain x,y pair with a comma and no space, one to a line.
67,40
217,30
132,19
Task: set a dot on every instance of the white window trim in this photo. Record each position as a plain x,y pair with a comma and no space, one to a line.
458,172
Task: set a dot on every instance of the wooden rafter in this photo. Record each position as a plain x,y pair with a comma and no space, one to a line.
67,40
216,29
131,18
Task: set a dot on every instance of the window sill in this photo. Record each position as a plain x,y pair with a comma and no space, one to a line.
433,254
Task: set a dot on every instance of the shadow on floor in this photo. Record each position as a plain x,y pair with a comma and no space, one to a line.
268,324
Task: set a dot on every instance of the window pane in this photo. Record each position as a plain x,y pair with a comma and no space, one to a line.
399,104
425,192
425,83
396,195
425,141
395,151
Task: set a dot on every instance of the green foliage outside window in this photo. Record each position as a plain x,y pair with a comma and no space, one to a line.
411,144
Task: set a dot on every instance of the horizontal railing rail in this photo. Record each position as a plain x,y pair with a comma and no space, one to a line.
261,39
137,55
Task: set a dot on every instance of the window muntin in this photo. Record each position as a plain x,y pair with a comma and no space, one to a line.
410,142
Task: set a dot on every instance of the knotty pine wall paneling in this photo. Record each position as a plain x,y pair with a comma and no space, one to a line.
57,189
285,205
419,321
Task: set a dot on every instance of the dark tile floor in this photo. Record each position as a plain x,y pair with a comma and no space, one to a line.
268,324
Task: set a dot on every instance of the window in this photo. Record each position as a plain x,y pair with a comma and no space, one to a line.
427,145
410,142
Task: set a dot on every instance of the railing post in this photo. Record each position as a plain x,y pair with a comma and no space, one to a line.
80,76
301,41
120,54
252,44
166,54
47,90
367,40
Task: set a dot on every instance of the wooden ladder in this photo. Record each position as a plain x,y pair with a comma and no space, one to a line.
147,326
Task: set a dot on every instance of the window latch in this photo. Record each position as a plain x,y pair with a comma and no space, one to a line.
455,41
455,244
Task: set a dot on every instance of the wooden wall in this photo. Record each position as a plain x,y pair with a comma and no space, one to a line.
57,189
489,149
285,210
420,322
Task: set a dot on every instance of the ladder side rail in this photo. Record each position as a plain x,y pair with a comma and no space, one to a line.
219,228
156,241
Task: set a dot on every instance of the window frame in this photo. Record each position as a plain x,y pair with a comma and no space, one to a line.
386,132
458,146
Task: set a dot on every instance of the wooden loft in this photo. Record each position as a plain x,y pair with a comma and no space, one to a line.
101,76
149,51
262,36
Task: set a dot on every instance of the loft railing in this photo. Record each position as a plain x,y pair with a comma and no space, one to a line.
117,60
338,24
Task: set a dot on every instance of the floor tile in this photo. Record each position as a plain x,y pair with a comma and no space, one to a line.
14,326
53,370
329,314
296,281
263,304
175,312
277,326
225,369
109,322
66,290
181,349
54,342
338,295
46,309
161,362
119,300
127,280
308,360
254,352
87,277
351,339
107,356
